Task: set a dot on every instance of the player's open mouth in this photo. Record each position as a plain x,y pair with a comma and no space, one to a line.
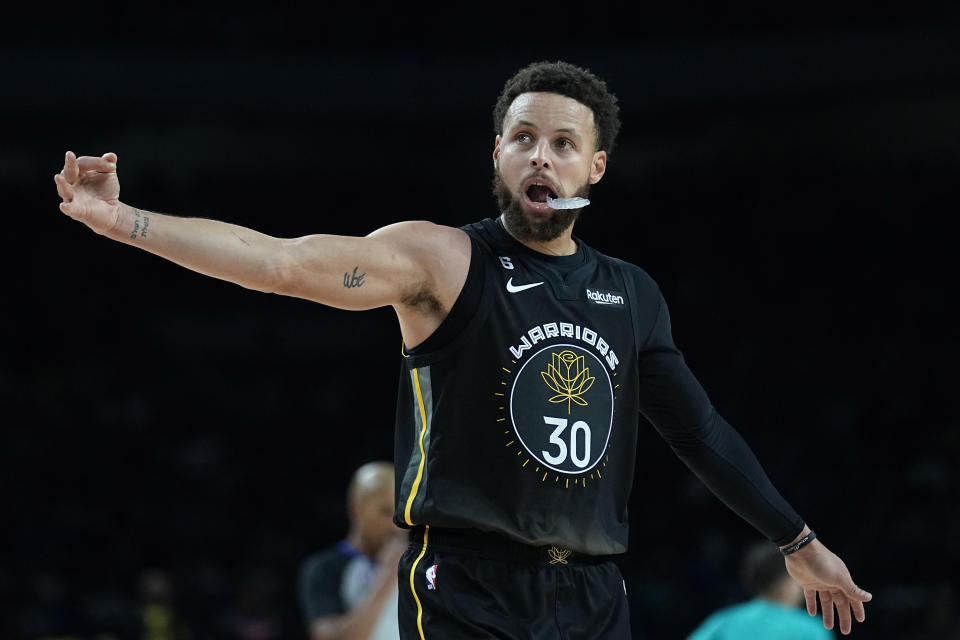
539,192
536,195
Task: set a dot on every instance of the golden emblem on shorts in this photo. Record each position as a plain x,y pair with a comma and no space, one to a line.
558,555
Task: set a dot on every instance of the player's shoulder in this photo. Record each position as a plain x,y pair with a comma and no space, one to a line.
423,235
417,227
639,277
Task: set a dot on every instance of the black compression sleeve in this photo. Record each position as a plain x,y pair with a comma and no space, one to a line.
673,400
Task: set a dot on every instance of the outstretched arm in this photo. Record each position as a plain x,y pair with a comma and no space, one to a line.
395,265
678,407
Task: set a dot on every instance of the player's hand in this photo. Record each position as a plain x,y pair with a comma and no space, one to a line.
821,572
90,190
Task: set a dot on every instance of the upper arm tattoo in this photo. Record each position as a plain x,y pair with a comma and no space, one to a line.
354,280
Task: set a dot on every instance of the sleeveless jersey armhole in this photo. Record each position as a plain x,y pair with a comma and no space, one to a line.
464,309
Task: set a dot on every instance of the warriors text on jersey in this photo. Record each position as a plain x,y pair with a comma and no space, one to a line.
519,415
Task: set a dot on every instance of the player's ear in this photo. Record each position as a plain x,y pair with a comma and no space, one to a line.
496,152
598,167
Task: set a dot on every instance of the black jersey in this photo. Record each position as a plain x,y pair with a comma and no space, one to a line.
519,415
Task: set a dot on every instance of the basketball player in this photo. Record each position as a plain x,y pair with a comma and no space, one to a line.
527,358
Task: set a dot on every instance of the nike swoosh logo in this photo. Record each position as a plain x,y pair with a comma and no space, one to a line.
514,288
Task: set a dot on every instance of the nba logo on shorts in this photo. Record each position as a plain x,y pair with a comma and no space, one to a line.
432,578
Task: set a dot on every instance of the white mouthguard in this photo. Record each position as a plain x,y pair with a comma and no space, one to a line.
567,203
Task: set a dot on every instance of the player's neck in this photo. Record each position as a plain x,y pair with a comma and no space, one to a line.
564,246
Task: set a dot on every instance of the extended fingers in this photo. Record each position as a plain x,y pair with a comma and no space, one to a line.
830,601
74,167
63,187
71,170
843,613
810,595
855,597
93,163
858,610
826,606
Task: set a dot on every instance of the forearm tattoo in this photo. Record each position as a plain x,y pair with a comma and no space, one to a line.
355,280
140,224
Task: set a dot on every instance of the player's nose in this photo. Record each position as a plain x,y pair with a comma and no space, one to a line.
540,155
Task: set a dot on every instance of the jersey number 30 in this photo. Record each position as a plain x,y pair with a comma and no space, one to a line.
579,457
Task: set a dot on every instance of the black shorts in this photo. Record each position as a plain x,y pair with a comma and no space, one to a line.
463,586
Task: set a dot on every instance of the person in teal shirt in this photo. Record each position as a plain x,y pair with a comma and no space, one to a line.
775,611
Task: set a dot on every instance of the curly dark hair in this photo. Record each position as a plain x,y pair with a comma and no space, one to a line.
567,80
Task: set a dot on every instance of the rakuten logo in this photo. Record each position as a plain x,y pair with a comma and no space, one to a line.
609,298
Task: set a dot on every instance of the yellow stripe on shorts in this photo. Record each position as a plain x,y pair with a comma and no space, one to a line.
413,571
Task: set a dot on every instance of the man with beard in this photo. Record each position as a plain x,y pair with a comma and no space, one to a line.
527,358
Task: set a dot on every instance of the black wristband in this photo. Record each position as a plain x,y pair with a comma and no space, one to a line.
799,544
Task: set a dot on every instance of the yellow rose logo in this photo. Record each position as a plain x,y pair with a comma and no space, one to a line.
568,377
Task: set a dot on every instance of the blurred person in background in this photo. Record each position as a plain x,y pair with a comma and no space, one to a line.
774,611
349,591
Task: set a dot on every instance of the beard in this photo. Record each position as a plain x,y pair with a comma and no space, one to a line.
525,229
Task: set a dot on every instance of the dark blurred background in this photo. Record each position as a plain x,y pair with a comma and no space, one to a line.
787,172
